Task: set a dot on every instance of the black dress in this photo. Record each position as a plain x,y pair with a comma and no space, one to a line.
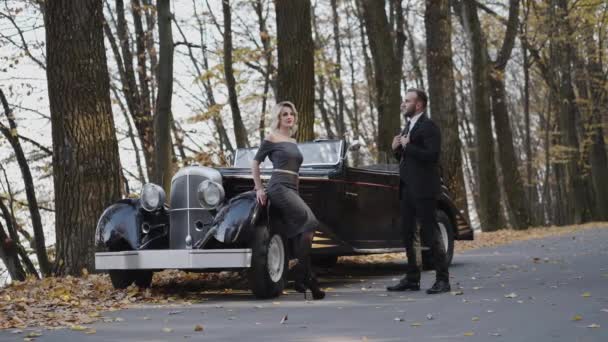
282,190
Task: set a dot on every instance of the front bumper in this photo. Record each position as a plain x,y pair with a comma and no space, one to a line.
174,259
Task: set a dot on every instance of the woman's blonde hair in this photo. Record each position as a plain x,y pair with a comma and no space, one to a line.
275,116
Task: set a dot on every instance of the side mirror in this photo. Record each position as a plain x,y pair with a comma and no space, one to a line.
355,146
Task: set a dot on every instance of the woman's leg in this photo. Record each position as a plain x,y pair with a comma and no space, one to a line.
304,276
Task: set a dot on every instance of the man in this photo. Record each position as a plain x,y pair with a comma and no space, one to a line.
417,148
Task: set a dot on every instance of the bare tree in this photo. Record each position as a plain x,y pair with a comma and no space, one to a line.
240,132
11,134
386,72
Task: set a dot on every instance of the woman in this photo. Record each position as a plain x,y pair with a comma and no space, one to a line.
282,190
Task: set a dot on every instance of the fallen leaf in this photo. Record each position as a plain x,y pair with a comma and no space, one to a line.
167,330
284,319
91,332
475,319
33,334
469,333
593,326
577,318
198,327
416,324
78,328
586,294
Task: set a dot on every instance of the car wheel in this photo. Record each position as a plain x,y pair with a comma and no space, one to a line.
268,263
325,261
143,278
446,236
121,278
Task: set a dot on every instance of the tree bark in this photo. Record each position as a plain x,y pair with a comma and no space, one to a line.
387,75
489,201
163,117
240,132
442,95
86,165
295,79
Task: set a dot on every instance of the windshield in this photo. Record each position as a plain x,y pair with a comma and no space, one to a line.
321,153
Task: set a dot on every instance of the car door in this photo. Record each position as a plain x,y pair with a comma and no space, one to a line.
372,208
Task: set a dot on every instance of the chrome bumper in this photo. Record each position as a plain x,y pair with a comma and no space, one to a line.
174,259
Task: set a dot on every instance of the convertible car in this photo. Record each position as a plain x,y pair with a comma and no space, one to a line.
213,222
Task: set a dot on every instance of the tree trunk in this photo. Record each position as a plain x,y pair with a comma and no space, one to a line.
268,77
11,134
598,103
489,201
295,79
340,125
86,165
387,76
135,104
575,191
240,132
512,180
10,257
162,117
442,95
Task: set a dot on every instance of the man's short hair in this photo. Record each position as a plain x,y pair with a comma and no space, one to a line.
420,94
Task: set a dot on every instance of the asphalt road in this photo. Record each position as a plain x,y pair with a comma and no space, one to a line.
555,289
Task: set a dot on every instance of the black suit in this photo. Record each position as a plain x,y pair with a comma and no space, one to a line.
419,189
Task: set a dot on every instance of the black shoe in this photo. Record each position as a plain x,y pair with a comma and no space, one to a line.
312,284
405,285
440,286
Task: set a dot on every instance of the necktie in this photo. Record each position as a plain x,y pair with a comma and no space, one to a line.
406,130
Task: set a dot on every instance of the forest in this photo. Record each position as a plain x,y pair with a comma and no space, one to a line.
100,97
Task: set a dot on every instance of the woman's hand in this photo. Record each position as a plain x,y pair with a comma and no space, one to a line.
260,195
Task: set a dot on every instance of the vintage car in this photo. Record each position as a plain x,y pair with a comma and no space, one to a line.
213,222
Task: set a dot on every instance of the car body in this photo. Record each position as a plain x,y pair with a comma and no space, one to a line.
214,222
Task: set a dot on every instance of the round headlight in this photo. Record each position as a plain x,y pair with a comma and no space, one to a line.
152,197
210,194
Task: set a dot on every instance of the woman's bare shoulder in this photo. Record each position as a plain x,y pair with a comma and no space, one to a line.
270,137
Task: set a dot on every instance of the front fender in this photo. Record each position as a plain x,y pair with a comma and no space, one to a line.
118,227
235,220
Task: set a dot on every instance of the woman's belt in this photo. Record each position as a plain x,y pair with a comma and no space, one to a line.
286,171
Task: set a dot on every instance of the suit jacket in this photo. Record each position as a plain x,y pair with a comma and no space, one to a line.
419,160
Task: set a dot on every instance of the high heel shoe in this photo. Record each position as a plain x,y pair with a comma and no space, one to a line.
313,285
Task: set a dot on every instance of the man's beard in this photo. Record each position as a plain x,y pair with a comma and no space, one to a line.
409,113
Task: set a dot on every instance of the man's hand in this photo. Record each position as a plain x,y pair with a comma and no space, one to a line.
396,142
404,140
